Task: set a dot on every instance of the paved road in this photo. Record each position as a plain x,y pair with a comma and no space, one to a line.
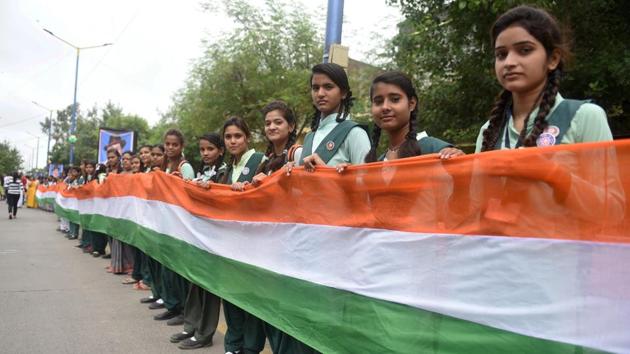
56,299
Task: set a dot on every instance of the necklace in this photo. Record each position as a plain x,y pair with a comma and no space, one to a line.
395,148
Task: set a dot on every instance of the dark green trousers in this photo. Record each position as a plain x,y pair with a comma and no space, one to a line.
201,313
282,343
174,289
244,331
74,229
86,238
155,271
99,241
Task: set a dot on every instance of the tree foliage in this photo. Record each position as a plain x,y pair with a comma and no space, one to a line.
445,45
86,147
267,57
10,158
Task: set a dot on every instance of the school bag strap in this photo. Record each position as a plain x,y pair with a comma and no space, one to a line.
292,150
558,122
248,171
331,143
563,115
427,145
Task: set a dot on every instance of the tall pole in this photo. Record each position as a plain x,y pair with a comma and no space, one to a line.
73,120
50,124
37,154
48,146
334,22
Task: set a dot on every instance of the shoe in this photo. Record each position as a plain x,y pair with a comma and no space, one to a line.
180,336
107,256
235,352
79,246
148,300
128,281
156,305
10,216
96,254
176,321
193,343
166,315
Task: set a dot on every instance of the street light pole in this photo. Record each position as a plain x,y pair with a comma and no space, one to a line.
49,132
73,122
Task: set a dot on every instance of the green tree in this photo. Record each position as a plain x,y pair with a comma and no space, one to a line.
86,147
267,57
445,45
10,158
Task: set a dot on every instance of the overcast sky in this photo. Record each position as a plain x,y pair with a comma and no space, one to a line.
154,43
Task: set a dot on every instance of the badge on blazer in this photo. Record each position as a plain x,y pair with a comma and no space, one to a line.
330,145
245,171
546,139
553,130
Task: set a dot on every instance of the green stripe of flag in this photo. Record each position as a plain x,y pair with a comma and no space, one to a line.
328,319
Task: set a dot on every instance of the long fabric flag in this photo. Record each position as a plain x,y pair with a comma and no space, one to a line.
500,252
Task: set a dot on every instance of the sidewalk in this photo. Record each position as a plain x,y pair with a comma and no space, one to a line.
56,299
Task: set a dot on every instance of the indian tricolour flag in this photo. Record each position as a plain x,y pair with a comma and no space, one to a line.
47,195
501,252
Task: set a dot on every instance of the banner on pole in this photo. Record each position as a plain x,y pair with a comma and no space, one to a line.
119,139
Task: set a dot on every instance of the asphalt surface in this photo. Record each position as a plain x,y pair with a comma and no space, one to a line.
56,299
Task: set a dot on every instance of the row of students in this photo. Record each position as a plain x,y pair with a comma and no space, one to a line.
529,58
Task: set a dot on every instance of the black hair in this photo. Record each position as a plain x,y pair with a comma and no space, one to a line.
241,124
216,140
177,133
275,162
545,28
410,146
336,74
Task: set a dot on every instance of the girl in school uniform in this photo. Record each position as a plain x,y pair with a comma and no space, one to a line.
394,109
245,332
281,135
201,313
99,240
175,287
334,137
122,253
530,57
144,153
86,236
157,157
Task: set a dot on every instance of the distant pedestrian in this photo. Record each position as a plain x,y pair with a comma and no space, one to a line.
14,189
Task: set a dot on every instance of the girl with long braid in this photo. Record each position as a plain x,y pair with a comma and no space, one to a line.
334,137
280,130
201,312
395,109
530,56
245,332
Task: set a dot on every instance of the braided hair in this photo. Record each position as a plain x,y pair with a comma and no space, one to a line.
275,162
544,27
410,146
336,74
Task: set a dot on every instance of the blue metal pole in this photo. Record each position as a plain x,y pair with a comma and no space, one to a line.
73,121
334,22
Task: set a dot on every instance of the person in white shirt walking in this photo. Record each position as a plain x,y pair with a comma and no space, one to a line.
14,189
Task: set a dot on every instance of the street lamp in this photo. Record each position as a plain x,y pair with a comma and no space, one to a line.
73,121
37,151
49,131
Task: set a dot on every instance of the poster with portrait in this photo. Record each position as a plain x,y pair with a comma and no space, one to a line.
55,170
119,139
